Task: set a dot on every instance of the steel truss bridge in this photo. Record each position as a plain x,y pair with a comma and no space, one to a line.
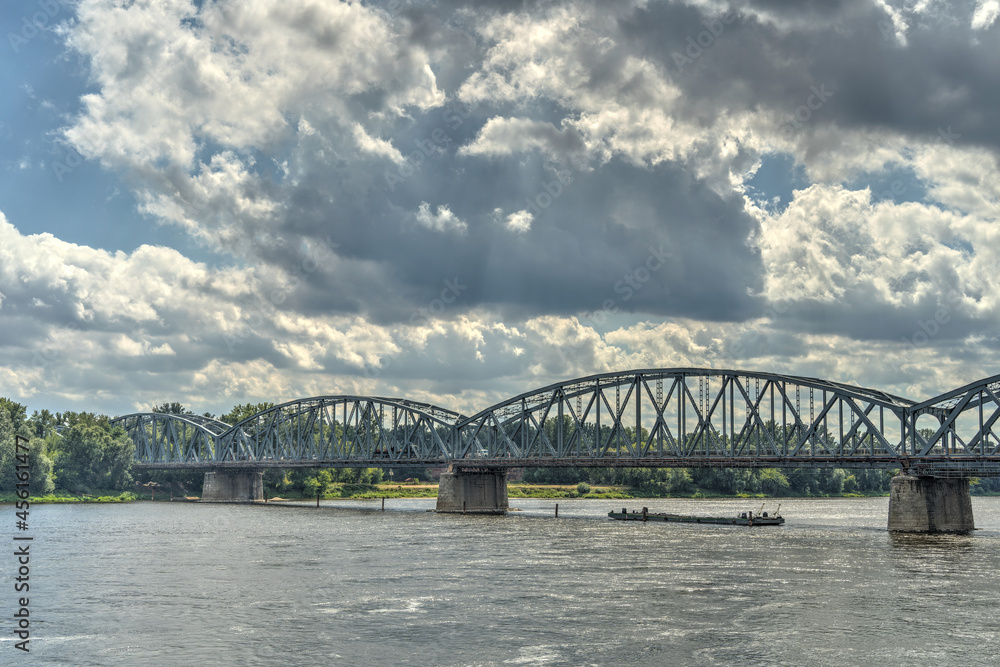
676,417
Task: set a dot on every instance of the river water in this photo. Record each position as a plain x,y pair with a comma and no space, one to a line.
346,584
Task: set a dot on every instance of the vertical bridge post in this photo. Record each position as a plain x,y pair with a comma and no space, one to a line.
929,505
237,485
473,490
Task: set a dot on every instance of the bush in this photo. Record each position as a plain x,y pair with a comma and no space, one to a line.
583,488
311,486
773,482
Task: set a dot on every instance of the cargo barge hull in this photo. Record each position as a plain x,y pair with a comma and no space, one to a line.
645,515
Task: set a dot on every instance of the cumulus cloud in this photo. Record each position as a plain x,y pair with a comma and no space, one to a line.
505,136
986,14
520,221
441,221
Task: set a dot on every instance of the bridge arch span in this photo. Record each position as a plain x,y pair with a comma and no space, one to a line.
344,431
965,420
165,438
688,416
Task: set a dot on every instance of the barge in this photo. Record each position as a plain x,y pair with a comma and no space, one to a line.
744,519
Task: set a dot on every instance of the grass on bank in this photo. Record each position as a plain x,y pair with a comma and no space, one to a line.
514,490
60,497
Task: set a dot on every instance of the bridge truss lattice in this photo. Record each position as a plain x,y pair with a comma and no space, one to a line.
682,417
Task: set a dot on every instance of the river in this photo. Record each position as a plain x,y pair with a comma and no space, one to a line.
347,584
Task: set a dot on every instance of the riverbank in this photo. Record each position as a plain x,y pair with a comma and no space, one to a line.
518,490
515,490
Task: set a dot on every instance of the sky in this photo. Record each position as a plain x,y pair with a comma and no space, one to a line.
226,202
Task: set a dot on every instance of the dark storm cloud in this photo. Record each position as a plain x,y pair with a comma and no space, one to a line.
592,228
591,233
932,321
578,253
770,56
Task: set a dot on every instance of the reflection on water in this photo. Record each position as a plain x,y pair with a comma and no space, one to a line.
930,543
347,584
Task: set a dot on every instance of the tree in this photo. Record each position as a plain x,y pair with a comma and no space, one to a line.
311,486
42,423
172,409
92,457
81,418
14,413
773,482
679,481
40,467
241,412
11,424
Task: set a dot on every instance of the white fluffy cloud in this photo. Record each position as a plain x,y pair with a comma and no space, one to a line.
441,221
188,95
520,221
986,14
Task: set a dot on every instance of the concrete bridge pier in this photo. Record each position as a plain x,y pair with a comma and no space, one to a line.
473,491
233,486
930,505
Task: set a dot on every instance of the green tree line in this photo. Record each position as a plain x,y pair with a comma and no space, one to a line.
75,452
722,481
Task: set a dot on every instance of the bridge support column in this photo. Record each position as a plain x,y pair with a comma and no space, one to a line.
478,491
929,505
233,486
